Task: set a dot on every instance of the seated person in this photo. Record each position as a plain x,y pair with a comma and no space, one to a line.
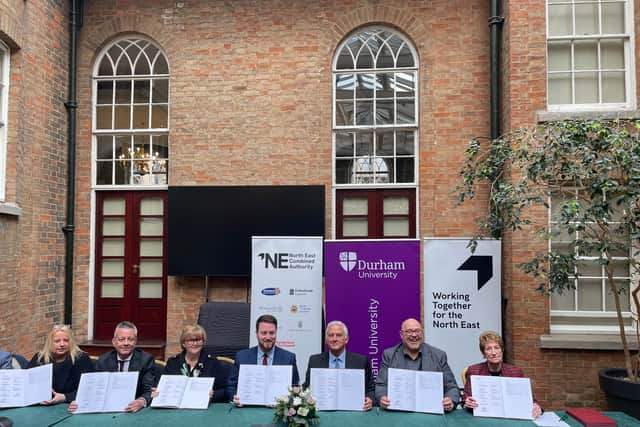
69,363
125,357
12,361
193,362
492,348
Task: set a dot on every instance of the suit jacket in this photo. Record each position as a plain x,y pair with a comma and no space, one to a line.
141,361
249,356
66,374
433,359
209,367
352,361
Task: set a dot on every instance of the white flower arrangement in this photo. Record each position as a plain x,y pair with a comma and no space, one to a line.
296,409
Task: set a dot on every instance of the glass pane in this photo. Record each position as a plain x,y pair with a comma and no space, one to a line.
123,172
566,301
123,147
396,205
113,247
560,20
559,91
405,169
612,54
344,144
364,59
159,116
404,84
105,69
150,268
355,206
364,144
123,92
150,206
404,143
586,18
112,267
559,57
103,117
140,117
345,61
344,113
355,227
345,86
384,112
589,269
142,66
586,55
398,227
105,92
620,268
150,289
151,247
586,88
123,68
160,66
122,117
160,91
151,227
104,173
113,207
613,18
405,58
161,146
590,294
623,291
385,85
384,170
385,58
113,227
384,143
406,111
343,171
613,87
112,289
141,91
104,147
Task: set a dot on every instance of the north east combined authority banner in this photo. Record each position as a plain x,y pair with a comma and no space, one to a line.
372,286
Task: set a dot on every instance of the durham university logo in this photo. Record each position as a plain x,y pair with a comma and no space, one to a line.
348,260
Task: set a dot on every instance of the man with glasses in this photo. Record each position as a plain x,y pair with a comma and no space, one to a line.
414,354
125,357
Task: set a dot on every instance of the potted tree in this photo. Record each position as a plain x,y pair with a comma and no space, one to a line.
589,172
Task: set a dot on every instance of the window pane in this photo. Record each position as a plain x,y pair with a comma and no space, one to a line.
151,206
406,111
123,92
151,227
405,58
105,69
104,147
364,144
560,20
396,227
113,207
566,301
104,172
559,57
122,117
140,117
559,88
396,205
364,59
160,66
405,170
613,87
160,91
355,206
613,18
123,68
112,268
141,91
589,269
404,143
112,289
623,289
113,227
123,172
105,92
345,61
384,143
590,294
344,171
384,85
404,84
161,146
103,117
355,227
385,58
384,170
345,86
586,55
364,86
586,18
151,247
612,52
586,88
159,116
150,289
384,112
150,268
344,113
113,247
620,268
344,144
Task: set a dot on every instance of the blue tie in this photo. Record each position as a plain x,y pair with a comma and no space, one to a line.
336,363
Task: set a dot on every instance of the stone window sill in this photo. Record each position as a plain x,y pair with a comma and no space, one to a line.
586,342
552,116
10,209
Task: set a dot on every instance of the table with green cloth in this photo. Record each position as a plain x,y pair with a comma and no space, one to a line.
219,414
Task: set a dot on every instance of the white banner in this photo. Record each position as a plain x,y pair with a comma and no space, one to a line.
286,281
462,297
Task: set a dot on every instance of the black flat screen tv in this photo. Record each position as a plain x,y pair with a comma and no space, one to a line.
210,227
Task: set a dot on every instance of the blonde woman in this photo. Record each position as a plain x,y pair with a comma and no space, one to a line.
69,362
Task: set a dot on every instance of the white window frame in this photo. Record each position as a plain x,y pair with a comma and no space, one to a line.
126,132
4,116
585,326
629,58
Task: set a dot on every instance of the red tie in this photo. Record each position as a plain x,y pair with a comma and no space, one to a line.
264,359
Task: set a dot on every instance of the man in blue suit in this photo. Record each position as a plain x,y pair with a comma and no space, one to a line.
265,353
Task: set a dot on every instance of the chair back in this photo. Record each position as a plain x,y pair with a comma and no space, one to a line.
227,326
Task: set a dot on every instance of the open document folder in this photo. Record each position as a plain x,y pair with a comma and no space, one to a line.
338,389
262,385
178,391
24,387
416,391
502,397
106,391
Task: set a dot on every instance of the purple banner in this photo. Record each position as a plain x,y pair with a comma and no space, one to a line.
372,287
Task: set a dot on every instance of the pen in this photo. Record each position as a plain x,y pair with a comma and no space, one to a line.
377,411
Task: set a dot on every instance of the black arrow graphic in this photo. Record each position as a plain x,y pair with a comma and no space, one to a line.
483,264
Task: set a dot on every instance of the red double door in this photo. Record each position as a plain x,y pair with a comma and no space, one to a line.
130,263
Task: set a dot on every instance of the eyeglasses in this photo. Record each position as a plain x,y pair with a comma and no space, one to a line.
193,341
412,331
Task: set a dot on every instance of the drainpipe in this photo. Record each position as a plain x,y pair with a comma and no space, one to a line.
495,25
71,105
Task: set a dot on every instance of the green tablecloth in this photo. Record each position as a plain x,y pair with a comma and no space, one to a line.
219,415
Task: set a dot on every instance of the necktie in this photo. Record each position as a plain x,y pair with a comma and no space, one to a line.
264,359
121,365
336,363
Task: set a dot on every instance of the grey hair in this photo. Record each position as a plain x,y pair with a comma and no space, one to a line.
125,324
337,323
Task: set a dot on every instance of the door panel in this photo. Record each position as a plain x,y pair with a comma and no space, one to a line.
130,276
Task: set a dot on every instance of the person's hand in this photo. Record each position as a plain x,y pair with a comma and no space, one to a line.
448,404
154,392
470,403
55,399
368,403
236,400
211,392
384,402
537,410
73,406
135,405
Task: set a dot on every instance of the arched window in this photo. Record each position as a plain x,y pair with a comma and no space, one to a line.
131,115
375,132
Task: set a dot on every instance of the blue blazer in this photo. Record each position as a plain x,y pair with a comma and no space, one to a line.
249,356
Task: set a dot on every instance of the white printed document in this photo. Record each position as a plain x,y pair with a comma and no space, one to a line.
415,391
262,385
178,391
106,391
338,389
24,387
502,397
